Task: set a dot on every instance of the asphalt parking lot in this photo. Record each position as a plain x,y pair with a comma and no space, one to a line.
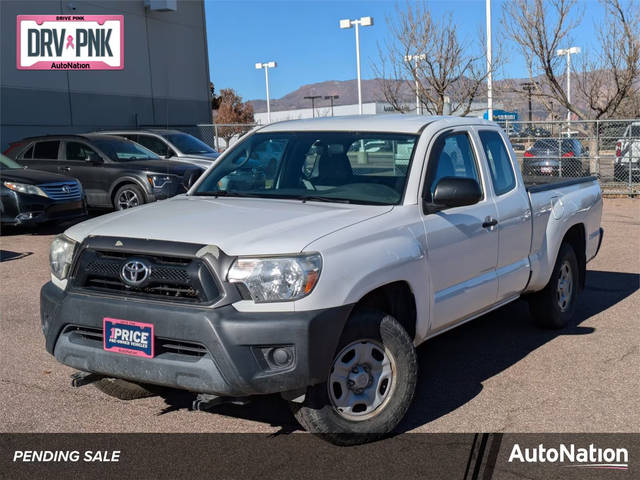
498,373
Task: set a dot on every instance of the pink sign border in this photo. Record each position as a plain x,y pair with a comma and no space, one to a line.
125,350
46,64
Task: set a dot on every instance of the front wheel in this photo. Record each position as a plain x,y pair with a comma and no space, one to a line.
370,384
128,196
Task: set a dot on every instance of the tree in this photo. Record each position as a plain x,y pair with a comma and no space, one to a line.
604,78
231,112
445,73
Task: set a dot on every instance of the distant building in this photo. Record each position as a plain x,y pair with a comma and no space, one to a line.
373,108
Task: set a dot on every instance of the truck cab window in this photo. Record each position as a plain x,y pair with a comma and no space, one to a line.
499,162
451,156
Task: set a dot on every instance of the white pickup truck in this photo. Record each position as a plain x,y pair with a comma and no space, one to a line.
319,280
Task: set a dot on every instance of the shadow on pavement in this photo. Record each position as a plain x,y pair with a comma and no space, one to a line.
454,364
8,255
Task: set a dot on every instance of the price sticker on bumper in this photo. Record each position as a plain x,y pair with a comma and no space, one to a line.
131,338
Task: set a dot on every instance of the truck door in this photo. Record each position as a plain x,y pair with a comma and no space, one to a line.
514,215
462,242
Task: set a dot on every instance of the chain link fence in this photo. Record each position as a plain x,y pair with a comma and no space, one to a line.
607,149
223,136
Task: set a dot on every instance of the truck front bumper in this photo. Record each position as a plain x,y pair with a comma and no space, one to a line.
210,350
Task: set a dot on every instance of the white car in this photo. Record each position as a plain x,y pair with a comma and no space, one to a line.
320,283
627,162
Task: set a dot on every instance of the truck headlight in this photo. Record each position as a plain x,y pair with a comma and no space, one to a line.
277,279
61,256
159,181
25,188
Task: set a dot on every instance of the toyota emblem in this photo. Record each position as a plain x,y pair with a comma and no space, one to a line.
66,188
135,272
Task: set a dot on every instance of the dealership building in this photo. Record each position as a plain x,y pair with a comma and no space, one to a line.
478,109
164,79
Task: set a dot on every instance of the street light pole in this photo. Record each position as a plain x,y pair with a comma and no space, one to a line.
528,87
332,98
313,104
568,52
365,22
416,59
489,64
267,66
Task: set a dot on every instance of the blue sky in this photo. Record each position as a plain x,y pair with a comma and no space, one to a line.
304,38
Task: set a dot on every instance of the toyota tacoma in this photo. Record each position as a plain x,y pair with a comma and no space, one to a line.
320,283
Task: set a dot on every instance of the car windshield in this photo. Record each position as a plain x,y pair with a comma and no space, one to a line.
343,167
123,150
7,163
188,144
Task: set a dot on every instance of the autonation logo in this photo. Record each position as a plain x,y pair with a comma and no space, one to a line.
572,456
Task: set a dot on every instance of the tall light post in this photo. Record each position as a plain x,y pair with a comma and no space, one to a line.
267,66
529,87
489,64
332,98
313,103
568,52
365,22
416,59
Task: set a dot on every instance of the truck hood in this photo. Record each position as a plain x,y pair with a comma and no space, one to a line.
238,226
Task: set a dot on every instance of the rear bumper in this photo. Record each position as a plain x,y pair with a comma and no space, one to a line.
219,351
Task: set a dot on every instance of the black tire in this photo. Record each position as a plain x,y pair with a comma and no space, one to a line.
128,190
545,305
123,389
318,415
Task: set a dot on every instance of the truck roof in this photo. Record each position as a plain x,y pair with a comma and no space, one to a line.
396,123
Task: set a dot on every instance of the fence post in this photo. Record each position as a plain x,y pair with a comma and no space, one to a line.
597,152
215,137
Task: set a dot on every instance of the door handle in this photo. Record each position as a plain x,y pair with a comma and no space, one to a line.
489,222
64,169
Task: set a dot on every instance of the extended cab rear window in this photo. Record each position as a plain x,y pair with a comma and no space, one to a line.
500,166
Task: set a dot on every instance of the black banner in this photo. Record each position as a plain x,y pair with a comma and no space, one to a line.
300,455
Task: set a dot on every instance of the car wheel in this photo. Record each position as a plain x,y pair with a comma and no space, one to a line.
370,385
128,196
123,389
554,306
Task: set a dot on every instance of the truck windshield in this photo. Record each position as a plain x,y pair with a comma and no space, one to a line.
346,167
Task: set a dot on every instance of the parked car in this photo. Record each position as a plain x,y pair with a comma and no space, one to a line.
628,154
115,172
320,285
171,144
557,157
32,197
536,132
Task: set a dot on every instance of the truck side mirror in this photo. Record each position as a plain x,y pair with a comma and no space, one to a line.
454,192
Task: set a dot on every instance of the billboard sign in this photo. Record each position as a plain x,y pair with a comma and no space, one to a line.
70,42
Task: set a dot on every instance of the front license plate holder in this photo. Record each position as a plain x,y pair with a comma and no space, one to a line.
128,337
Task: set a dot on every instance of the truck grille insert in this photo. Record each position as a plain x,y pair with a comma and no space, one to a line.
169,278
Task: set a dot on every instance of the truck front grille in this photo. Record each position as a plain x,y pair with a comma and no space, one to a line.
170,278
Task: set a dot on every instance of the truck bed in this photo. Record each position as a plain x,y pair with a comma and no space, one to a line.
542,183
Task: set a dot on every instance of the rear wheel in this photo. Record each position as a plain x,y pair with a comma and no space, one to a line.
554,306
123,389
370,384
128,196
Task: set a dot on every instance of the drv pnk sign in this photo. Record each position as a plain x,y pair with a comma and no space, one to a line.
70,42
